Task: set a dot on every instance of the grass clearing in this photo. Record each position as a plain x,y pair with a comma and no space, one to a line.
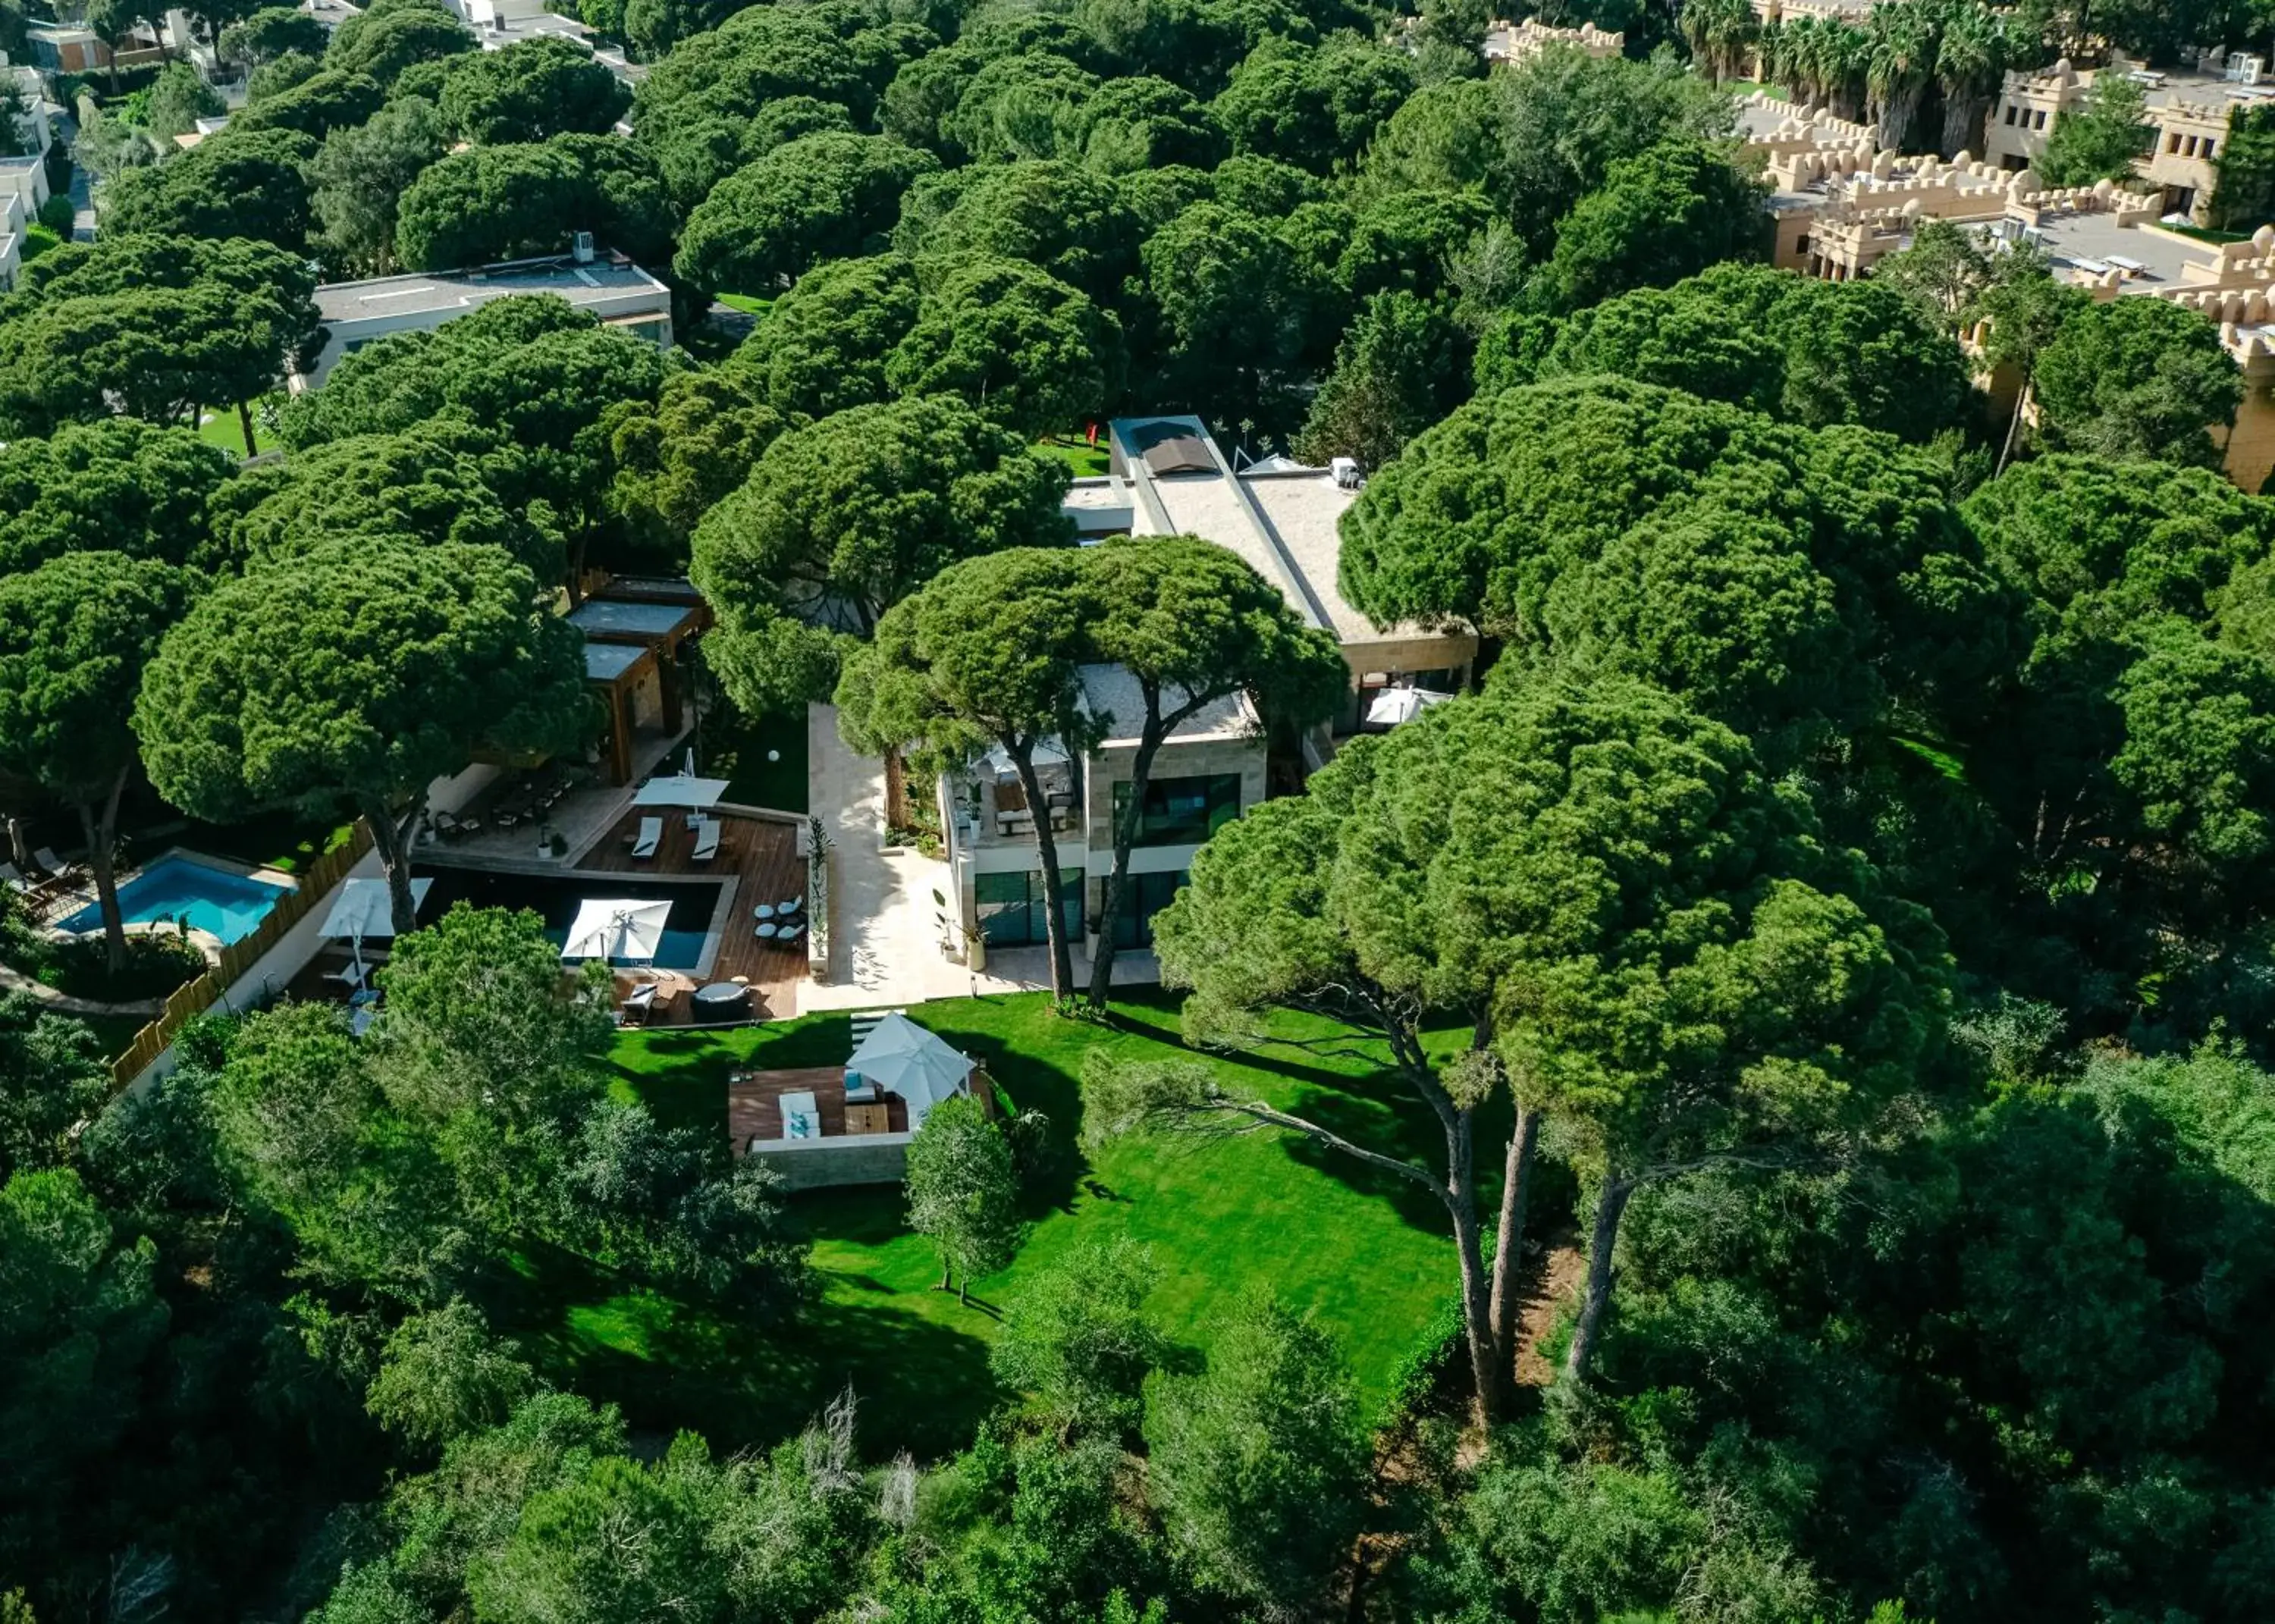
1084,460
220,426
1363,1251
735,748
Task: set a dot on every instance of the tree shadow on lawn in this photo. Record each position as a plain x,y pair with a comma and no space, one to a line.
672,1365
1373,1109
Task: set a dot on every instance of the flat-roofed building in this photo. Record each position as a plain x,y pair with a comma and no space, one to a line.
1285,520
607,285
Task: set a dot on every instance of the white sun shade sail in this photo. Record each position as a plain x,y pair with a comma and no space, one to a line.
616,928
681,790
902,1057
364,910
1393,706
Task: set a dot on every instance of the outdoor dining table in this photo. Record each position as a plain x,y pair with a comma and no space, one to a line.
719,997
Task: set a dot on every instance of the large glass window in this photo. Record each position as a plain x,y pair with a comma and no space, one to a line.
1182,811
1010,907
1147,896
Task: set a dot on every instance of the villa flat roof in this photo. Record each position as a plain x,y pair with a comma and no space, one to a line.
605,663
391,297
1110,691
2088,240
1287,525
619,618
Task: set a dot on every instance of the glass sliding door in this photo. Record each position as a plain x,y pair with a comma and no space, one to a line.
1147,896
1010,907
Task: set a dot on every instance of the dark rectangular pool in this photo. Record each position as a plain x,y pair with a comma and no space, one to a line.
555,898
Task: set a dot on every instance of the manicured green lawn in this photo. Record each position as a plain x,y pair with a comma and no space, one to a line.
735,748
1086,461
746,303
1365,1252
219,426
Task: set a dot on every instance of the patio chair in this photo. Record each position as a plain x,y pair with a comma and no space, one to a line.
638,1007
447,825
651,835
782,910
707,842
788,934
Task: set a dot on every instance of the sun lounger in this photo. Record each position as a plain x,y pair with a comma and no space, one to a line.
13,879
651,835
707,842
46,858
801,1116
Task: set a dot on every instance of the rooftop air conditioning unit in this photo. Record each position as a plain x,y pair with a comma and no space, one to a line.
581,248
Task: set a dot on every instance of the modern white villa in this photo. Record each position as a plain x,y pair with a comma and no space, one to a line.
1168,477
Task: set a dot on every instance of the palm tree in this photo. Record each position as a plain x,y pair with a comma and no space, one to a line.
1899,63
1718,33
1837,55
1969,61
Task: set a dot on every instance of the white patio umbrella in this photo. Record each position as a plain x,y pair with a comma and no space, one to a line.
681,790
904,1058
364,908
616,928
1393,706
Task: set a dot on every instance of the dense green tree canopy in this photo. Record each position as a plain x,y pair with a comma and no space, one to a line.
56,1080
74,636
118,484
359,670
1725,556
437,484
386,39
531,91
158,326
324,102
518,201
823,345
531,374
2137,377
1316,108
1659,216
270,32
241,183
1071,223
361,175
821,197
1808,351
843,519
1021,347
679,460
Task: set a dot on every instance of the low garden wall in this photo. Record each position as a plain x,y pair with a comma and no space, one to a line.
827,1163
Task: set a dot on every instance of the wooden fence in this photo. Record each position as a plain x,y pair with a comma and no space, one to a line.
197,997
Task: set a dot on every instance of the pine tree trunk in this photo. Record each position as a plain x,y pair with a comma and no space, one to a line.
394,844
1516,1175
1611,1203
1117,883
245,427
1485,1365
102,831
1047,848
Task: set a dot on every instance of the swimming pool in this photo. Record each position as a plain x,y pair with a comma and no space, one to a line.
555,898
230,906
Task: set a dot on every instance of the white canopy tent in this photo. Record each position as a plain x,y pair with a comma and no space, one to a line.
681,790
902,1057
364,910
616,928
1393,706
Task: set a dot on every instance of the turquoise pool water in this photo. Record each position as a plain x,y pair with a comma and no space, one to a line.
229,905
